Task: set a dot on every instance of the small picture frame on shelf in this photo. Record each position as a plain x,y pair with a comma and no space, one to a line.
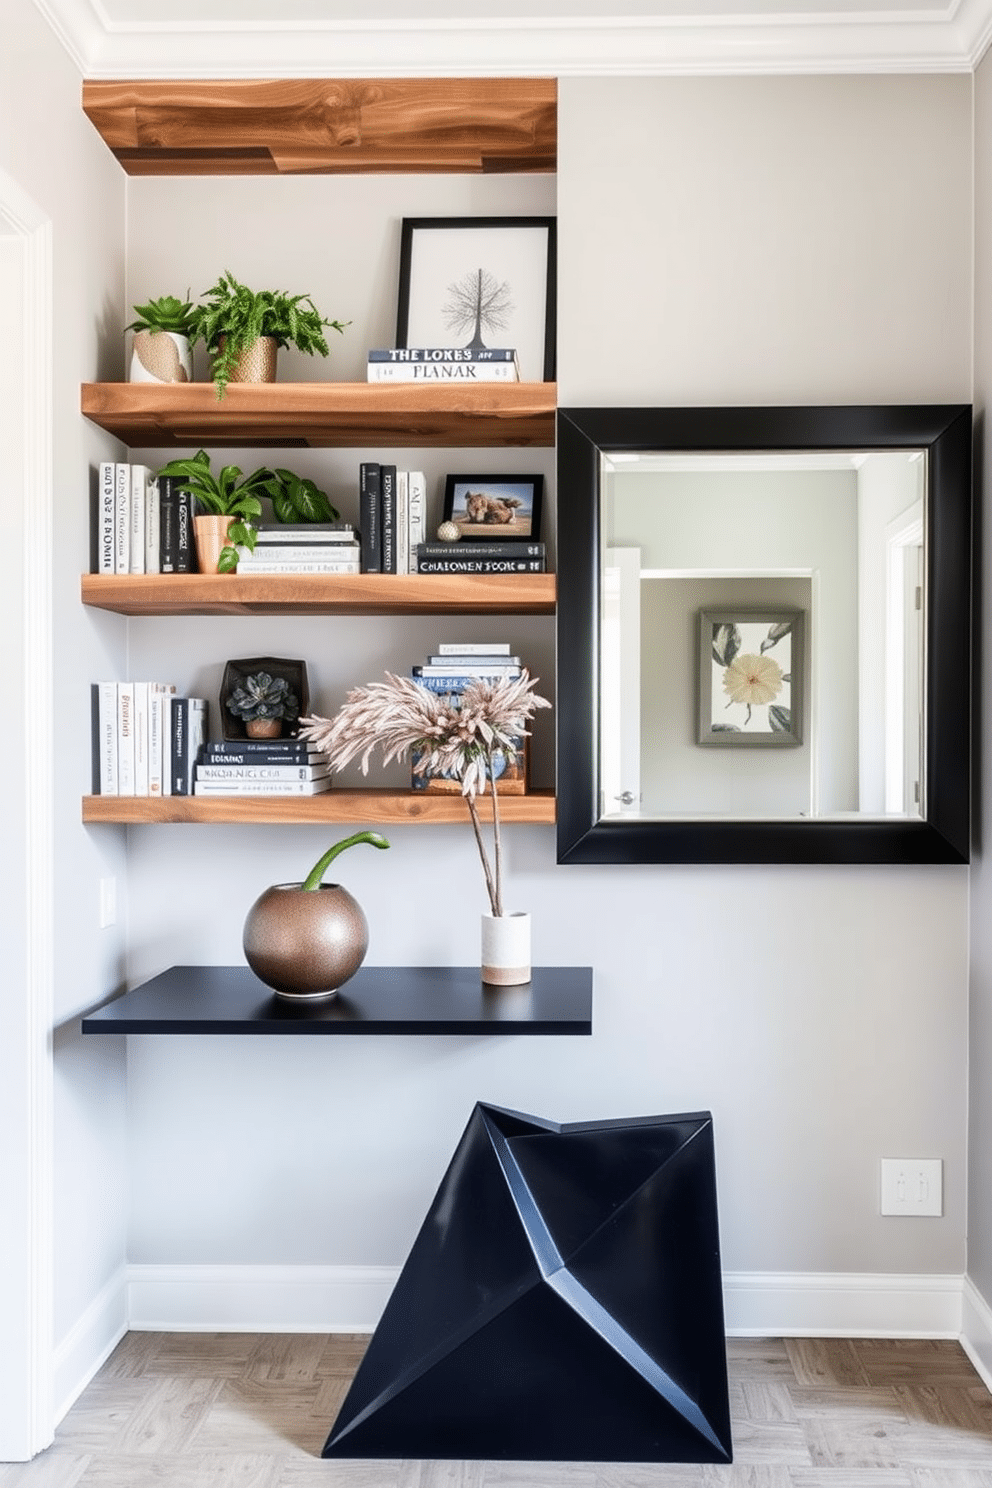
495,508
260,692
480,282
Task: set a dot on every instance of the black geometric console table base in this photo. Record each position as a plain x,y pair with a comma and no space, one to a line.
562,1302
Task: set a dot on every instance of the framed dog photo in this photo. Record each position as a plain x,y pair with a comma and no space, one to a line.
495,508
480,283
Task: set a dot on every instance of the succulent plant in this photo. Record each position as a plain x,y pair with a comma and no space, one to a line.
263,696
165,314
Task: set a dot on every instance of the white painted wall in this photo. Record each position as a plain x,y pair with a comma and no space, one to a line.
50,150
722,240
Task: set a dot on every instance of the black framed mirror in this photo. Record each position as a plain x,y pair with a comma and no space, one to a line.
764,634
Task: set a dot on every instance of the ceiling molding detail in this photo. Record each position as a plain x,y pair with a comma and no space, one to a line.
952,39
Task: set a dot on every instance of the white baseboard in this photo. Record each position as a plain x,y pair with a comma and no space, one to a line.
89,1343
350,1299
774,1304
976,1330
262,1299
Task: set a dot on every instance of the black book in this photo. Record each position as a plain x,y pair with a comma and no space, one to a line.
370,516
480,565
244,752
188,735
185,549
512,548
388,501
168,497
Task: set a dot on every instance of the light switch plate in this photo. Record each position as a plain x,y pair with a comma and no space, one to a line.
912,1186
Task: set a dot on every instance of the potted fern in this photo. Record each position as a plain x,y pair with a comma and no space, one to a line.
162,349
243,329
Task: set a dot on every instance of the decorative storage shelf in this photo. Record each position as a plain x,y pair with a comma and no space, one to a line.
377,1000
320,126
323,415
376,807
321,594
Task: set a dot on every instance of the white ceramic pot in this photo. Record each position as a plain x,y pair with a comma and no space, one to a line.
161,356
506,949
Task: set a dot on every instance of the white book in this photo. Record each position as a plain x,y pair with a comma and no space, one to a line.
122,517
461,373
416,514
326,566
107,737
261,787
125,738
140,476
106,528
402,521
141,738
158,695
238,773
153,527
473,648
298,553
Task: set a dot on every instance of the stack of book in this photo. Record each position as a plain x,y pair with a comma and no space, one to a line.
392,507
144,524
302,548
145,739
443,364
269,767
449,671
472,557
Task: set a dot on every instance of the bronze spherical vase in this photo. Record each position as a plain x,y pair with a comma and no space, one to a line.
305,943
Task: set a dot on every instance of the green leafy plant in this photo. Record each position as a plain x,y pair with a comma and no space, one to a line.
295,498
240,315
263,696
166,314
228,494
316,874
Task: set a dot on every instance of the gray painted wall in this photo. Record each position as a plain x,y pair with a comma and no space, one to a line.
721,240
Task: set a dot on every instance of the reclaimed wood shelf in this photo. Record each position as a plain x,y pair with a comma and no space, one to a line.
378,999
324,415
293,126
321,594
375,807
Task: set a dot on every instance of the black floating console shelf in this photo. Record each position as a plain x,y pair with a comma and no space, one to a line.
378,999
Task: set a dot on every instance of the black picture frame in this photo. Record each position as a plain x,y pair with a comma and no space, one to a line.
507,508
943,835
437,252
236,673
751,727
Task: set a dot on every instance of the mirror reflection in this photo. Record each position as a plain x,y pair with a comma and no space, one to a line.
762,635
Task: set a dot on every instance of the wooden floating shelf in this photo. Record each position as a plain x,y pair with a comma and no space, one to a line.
323,415
368,807
321,594
314,126
377,1000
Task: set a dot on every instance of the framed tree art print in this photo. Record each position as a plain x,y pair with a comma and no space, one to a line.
751,677
483,283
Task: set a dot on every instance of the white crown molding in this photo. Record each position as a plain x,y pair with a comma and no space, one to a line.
950,39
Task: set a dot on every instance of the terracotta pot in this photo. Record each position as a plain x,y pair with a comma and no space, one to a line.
263,728
211,536
505,949
257,363
305,943
161,356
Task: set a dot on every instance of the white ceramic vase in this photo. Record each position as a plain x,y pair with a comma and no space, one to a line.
161,356
505,949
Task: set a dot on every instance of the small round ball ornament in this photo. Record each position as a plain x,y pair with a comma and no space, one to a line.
448,532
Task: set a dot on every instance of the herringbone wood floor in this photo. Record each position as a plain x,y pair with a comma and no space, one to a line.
243,1410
